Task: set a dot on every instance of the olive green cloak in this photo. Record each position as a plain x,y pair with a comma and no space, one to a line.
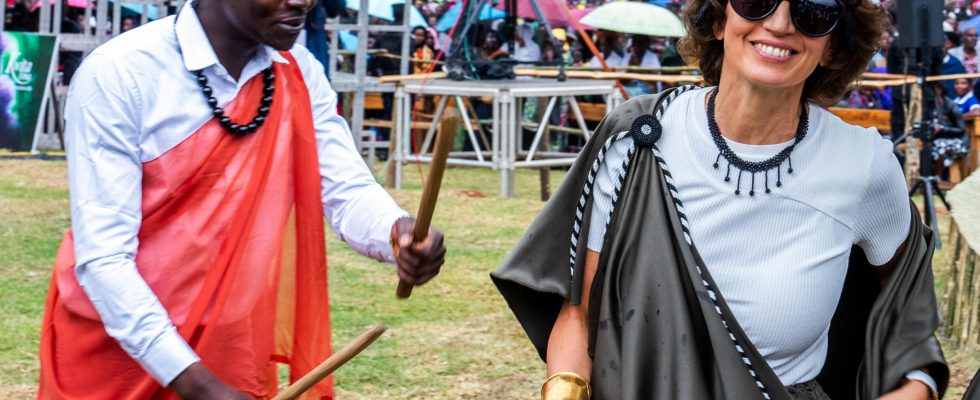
657,332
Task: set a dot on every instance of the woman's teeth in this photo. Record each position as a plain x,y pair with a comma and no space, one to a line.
772,51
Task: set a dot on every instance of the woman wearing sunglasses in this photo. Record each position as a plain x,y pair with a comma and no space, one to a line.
736,241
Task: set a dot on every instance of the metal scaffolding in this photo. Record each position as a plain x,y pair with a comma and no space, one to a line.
92,36
358,82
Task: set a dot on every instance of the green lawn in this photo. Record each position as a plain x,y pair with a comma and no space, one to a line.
453,339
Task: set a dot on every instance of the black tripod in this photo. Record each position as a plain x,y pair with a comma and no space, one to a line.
928,181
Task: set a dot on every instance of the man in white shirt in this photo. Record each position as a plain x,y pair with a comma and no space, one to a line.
204,152
608,42
967,52
525,49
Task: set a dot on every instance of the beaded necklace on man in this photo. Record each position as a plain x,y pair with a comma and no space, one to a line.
268,78
754,167
234,128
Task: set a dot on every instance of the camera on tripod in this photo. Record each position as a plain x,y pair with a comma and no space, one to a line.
932,128
922,130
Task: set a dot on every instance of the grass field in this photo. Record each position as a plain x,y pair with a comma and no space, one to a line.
454,339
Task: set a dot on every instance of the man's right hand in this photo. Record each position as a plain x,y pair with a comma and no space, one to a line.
198,383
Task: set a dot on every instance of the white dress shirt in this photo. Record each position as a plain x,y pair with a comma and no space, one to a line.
132,100
529,52
614,60
649,60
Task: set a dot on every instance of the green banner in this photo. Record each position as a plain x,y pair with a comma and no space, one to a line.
25,74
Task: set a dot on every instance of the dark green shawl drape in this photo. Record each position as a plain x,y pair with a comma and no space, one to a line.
655,332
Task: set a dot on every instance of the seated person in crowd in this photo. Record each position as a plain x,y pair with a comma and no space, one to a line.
608,43
868,98
641,55
492,48
422,51
525,48
950,138
969,106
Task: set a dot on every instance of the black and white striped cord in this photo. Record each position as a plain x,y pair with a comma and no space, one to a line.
586,193
707,286
597,163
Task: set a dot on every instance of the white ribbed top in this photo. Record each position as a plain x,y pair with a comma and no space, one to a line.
779,259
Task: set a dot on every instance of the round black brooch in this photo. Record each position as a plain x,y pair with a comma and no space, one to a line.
646,130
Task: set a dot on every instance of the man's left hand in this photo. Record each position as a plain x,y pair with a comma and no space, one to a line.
417,262
911,390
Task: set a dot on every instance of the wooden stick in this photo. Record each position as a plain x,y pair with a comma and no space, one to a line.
411,77
336,360
444,143
549,73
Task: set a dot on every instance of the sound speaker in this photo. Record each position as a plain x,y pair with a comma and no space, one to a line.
920,23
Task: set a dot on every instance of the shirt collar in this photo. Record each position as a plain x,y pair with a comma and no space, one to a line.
195,48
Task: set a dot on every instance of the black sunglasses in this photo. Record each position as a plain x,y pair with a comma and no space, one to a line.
813,18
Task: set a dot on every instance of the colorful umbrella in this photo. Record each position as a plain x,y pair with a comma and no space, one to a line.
376,8
383,9
970,23
415,17
71,3
348,40
151,10
578,14
487,13
553,11
638,18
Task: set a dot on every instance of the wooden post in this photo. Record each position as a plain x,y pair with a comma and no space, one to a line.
912,114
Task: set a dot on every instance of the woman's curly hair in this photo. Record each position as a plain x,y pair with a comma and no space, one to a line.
853,42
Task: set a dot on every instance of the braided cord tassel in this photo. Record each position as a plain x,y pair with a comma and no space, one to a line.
584,198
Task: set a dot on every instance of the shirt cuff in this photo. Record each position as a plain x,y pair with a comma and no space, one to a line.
167,357
925,378
388,254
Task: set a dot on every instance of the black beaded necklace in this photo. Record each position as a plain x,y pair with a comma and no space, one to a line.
754,167
268,77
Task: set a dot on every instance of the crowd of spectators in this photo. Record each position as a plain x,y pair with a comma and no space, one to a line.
530,43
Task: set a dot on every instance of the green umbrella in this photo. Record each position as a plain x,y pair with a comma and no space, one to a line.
634,17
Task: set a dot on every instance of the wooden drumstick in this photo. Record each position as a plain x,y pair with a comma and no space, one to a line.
444,142
336,360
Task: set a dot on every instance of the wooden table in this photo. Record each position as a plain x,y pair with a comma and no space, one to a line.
868,118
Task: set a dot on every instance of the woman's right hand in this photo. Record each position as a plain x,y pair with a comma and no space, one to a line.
199,383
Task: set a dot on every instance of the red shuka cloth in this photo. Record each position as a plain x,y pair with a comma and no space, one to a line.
232,242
